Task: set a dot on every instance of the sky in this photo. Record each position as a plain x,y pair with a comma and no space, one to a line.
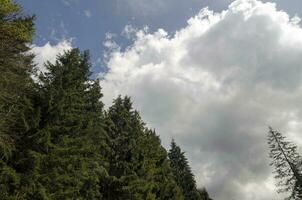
213,75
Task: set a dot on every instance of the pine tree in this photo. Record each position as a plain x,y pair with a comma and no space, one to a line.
182,172
287,163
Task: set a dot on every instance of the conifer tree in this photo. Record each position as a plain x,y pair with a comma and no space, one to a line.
15,66
182,172
16,90
138,164
158,171
125,157
287,163
204,194
66,158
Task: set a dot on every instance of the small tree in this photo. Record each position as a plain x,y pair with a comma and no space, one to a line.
286,161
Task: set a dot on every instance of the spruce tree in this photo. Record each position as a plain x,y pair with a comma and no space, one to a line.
182,172
125,155
138,165
66,158
287,163
157,168
17,113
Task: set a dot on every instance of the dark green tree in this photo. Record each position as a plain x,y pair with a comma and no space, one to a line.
287,163
182,172
157,168
138,168
66,157
204,194
16,91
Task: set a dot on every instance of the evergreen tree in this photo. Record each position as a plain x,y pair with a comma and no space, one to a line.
182,172
287,163
204,194
157,168
66,158
125,158
16,91
138,164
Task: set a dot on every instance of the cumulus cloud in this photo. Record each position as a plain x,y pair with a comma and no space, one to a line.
215,85
49,52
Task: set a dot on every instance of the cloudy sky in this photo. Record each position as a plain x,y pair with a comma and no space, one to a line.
211,74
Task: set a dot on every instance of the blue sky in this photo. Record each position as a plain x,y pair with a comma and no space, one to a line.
212,80
87,22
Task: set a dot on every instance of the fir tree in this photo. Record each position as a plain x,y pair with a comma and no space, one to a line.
158,171
66,158
125,157
17,113
182,172
287,163
138,164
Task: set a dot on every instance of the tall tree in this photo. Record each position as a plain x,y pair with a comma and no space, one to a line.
16,90
138,164
158,172
66,157
182,172
287,163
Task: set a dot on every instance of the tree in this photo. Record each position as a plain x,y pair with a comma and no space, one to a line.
66,157
182,172
287,163
17,113
204,194
15,67
138,165
157,168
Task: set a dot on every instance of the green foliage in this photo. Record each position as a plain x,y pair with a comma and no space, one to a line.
62,162
287,163
17,113
138,164
183,174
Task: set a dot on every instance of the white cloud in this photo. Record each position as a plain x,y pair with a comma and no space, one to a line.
49,52
215,86
87,13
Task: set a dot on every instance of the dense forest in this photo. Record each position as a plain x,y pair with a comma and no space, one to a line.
58,142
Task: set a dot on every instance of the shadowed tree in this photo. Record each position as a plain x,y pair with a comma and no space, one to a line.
287,163
66,157
17,112
138,165
204,194
182,173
